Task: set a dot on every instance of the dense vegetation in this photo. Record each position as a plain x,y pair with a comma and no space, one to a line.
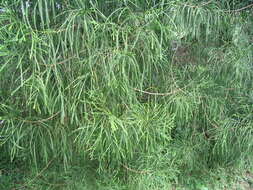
128,94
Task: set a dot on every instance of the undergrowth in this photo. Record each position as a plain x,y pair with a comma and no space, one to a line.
124,94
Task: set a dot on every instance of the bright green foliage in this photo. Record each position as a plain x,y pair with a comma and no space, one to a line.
163,86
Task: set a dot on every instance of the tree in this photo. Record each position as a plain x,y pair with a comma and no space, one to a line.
100,79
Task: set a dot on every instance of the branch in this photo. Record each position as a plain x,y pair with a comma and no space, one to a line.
197,6
38,175
136,171
238,10
42,120
64,61
157,93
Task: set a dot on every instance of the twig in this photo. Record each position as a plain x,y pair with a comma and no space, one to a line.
42,120
39,174
136,171
197,6
213,124
64,61
59,63
204,4
238,10
157,93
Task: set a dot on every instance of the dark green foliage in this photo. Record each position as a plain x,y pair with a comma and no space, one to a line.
161,86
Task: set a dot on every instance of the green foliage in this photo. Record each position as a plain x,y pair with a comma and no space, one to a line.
156,86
